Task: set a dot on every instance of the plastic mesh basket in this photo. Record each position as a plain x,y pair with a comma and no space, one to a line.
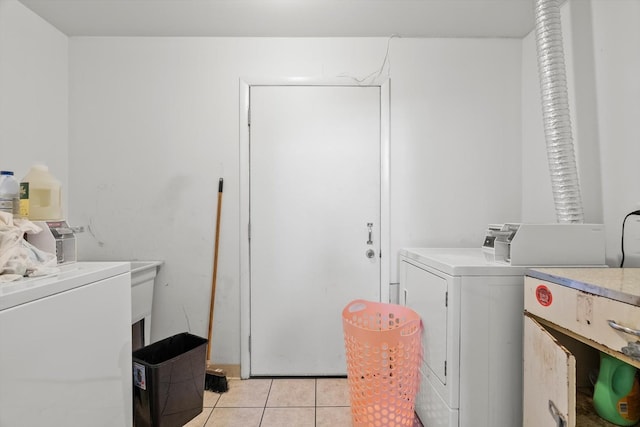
383,357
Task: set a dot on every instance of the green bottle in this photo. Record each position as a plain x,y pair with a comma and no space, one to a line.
616,396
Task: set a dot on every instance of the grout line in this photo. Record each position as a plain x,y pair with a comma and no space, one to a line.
207,420
315,394
268,393
291,407
264,408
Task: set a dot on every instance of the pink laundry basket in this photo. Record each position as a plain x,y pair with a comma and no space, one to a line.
383,358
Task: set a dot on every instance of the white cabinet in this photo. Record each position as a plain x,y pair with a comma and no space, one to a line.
566,326
471,310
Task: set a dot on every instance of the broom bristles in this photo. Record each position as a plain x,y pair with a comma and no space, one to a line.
216,381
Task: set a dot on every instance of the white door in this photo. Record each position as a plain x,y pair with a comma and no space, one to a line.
314,186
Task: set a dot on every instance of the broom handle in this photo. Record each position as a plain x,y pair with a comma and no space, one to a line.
215,268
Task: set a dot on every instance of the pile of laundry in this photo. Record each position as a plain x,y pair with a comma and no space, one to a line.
19,258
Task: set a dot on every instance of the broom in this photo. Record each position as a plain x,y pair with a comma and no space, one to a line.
215,379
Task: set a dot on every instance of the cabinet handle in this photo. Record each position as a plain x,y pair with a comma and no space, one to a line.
624,329
557,416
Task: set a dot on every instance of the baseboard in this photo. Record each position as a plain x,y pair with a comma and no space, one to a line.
231,371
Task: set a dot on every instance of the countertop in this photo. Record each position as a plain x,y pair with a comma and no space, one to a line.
620,284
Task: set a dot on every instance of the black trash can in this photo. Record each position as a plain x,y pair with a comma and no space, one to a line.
168,381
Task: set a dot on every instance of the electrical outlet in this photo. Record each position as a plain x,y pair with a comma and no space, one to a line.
632,241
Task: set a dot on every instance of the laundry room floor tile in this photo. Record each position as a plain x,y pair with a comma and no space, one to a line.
201,419
292,392
289,417
332,392
279,402
333,416
235,417
250,393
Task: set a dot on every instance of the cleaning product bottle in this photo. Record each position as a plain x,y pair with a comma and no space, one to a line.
616,397
9,193
40,195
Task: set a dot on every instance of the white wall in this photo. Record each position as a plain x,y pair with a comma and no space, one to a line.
602,41
455,137
616,47
155,123
33,93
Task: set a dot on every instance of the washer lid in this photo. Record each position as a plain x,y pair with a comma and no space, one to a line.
461,262
71,276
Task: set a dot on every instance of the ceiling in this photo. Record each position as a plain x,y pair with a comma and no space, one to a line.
288,18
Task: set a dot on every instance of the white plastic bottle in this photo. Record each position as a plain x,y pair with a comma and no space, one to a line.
41,198
9,193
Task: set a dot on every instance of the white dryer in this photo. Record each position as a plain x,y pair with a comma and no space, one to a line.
471,304
472,339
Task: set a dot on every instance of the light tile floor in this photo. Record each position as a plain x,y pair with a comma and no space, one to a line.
298,402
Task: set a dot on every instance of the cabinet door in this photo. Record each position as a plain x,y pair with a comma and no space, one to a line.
426,294
549,379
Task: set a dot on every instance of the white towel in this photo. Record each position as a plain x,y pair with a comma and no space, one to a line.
18,258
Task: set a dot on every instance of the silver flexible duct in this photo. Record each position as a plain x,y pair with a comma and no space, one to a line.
555,113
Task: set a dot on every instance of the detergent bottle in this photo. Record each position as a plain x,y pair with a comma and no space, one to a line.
9,193
40,195
616,396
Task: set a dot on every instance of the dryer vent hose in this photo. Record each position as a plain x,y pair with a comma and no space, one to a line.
555,113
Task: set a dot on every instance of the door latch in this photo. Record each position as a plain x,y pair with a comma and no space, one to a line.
370,227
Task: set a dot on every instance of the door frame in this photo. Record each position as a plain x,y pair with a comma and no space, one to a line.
245,265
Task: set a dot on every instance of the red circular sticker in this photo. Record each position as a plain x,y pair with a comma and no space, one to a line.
543,295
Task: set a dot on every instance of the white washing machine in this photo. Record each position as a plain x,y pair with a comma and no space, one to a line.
65,348
472,311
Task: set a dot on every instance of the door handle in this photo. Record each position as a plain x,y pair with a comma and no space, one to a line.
370,227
